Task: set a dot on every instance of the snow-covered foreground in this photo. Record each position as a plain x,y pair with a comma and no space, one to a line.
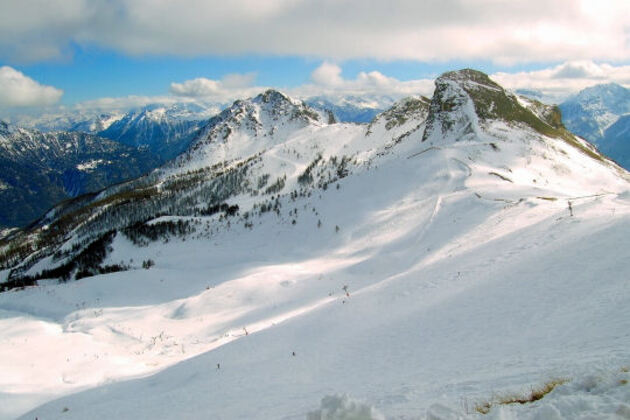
452,299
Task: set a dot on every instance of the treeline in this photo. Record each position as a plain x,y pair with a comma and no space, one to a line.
127,208
123,209
219,208
141,234
84,264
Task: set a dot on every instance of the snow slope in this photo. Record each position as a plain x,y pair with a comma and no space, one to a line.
445,263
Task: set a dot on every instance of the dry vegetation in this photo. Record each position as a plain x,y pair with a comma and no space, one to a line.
535,395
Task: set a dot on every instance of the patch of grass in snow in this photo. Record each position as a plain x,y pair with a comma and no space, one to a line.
535,395
500,176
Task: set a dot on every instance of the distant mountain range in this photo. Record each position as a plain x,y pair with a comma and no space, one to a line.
600,115
41,169
82,153
357,109
83,120
165,131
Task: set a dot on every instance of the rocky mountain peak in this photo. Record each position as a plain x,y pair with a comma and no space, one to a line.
270,105
609,95
4,128
465,99
452,109
277,104
470,78
249,124
272,96
407,109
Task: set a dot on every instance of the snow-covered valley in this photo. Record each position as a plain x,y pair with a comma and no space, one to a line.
448,261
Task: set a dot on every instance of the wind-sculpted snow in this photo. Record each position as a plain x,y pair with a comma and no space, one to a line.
421,278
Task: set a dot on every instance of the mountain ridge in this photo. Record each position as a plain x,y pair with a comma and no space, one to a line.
590,112
597,114
154,129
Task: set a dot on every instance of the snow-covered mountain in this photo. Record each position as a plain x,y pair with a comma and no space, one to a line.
93,125
165,131
616,141
245,129
41,169
446,254
83,120
532,93
358,109
595,112
594,109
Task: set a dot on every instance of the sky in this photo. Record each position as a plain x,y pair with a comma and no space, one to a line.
124,53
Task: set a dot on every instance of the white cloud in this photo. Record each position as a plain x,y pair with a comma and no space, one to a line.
327,81
227,87
328,74
196,87
18,90
498,30
237,80
124,103
558,82
554,83
33,30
